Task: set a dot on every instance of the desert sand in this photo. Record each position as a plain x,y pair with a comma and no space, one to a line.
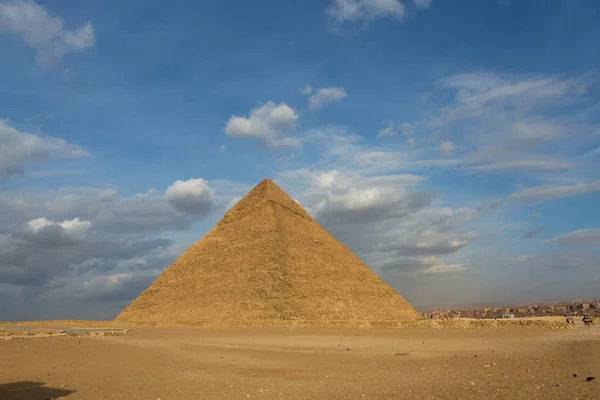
299,363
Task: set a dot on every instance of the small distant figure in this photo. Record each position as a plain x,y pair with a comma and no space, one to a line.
588,321
570,321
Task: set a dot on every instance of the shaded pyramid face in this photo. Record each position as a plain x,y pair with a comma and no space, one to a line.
268,264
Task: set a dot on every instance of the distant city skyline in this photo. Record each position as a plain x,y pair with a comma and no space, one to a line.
454,147
504,305
589,308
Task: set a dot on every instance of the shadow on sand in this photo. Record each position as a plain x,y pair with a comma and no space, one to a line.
31,391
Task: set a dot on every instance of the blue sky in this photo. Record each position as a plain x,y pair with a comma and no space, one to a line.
453,146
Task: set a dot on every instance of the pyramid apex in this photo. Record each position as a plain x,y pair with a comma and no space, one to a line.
267,182
266,191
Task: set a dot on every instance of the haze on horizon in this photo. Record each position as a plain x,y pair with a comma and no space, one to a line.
454,147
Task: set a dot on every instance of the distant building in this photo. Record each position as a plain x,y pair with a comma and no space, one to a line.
507,316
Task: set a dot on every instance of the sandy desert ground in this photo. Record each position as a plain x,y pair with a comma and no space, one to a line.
299,363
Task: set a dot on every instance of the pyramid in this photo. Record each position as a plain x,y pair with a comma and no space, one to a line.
267,263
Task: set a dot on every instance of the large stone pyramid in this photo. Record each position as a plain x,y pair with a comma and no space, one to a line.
268,264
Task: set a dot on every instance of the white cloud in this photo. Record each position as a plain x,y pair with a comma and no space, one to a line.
111,235
365,10
267,123
74,229
193,196
42,31
325,179
447,148
555,191
20,149
388,130
325,96
354,200
223,147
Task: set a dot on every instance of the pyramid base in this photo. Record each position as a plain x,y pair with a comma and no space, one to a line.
276,324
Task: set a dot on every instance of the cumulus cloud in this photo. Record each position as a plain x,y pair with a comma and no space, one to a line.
21,149
325,96
42,31
104,206
54,232
268,123
555,191
91,244
52,242
144,213
193,196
